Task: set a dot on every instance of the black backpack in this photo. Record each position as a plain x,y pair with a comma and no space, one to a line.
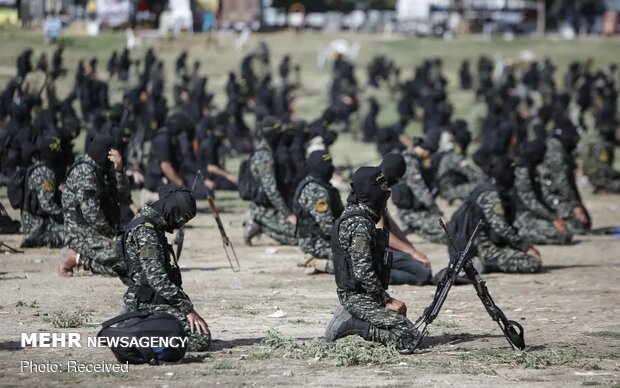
464,221
16,188
250,188
136,325
19,196
7,224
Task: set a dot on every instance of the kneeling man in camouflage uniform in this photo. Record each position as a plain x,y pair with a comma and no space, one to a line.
317,204
154,275
363,270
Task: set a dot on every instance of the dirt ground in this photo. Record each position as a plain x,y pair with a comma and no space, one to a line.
570,314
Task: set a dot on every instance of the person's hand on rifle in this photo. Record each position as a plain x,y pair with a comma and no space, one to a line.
196,323
292,218
397,306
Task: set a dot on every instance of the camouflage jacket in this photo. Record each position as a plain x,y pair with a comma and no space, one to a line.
315,200
451,164
598,161
42,181
415,181
357,236
146,257
557,177
262,165
491,206
85,189
526,194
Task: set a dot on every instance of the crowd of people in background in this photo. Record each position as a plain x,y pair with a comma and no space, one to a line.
535,137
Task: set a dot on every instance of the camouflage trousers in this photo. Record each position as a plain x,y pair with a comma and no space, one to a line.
423,223
605,183
386,326
97,253
195,342
316,246
537,230
452,193
41,231
273,224
504,259
574,225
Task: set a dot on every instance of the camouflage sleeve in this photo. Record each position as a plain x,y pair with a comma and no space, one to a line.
152,259
525,192
418,187
493,211
360,250
467,169
315,199
557,179
44,183
88,193
265,168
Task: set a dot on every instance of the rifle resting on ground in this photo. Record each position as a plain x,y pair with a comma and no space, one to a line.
461,260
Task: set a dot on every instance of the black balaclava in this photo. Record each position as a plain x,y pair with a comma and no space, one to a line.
49,149
393,167
320,165
567,134
501,169
462,136
430,141
532,153
177,207
177,123
369,187
99,148
271,130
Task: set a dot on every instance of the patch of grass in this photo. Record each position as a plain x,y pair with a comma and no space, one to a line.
33,305
345,352
220,367
64,319
259,356
242,309
606,334
301,321
542,359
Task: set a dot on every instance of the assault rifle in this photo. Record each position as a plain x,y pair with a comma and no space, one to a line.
179,239
225,240
461,260
229,249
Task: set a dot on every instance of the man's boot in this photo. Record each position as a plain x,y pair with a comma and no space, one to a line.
344,324
69,261
250,230
409,342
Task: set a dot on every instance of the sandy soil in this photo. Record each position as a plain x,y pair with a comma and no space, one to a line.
570,314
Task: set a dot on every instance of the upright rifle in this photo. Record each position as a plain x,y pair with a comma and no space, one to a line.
179,239
228,246
461,260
